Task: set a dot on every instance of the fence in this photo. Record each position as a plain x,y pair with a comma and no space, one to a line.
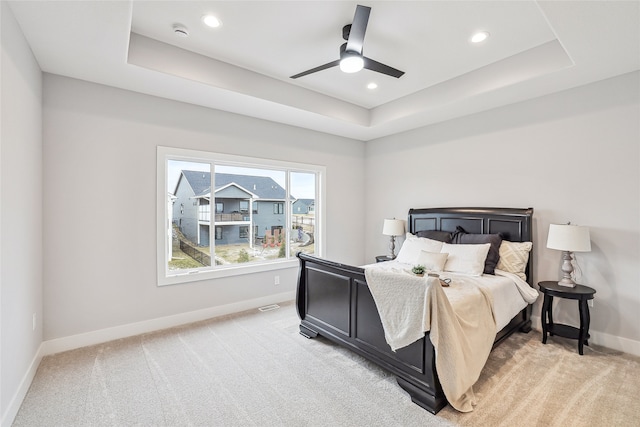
195,253
304,220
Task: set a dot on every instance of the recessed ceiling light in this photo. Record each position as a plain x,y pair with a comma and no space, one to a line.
180,30
211,21
479,37
372,86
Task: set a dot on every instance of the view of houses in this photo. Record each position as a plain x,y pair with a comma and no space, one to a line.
244,215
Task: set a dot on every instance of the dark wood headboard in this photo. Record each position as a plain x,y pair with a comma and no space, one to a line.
513,224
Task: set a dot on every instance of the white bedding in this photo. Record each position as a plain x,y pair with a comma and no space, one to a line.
462,325
508,296
463,318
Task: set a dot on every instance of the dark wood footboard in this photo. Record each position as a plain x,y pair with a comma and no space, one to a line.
333,300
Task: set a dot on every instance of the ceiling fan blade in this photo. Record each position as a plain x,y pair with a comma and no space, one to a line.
315,70
358,28
353,47
376,66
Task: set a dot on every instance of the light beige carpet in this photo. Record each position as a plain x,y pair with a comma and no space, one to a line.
527,383
254,369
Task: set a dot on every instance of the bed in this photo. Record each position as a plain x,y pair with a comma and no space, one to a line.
335,301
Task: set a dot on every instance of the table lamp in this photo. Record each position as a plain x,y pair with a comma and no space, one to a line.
568,238
393,227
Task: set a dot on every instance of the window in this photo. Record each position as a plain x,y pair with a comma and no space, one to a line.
255,226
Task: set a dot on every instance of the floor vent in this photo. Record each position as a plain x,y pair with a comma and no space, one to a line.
269,307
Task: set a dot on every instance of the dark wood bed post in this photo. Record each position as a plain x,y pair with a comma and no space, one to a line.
333,300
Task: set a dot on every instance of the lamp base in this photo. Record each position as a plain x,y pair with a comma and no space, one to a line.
567,269
567,282
392,247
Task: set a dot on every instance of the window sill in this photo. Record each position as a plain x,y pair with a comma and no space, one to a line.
220,272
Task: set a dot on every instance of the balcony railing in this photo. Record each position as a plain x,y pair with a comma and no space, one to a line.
232,217
204,215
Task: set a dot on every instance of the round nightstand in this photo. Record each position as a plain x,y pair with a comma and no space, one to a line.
580,293
383,258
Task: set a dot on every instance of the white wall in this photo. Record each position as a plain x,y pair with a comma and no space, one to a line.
99,199
573,156
20,216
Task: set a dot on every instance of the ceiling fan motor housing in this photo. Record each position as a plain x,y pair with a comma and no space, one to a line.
346,30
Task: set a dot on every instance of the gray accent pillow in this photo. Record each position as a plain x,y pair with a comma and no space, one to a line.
461,237
441,236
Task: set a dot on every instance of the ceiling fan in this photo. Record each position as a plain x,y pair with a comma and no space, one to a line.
351,58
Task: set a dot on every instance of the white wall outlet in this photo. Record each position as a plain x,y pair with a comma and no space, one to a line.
276,280
590,303
34,322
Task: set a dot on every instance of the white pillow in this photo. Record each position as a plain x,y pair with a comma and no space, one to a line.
410,250
466,259
432,261
514,257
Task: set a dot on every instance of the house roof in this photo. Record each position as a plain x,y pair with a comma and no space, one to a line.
199,181
262,186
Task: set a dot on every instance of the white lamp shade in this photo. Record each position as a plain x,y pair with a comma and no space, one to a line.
393,227
566,237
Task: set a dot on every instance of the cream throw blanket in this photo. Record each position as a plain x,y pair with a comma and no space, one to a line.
460,319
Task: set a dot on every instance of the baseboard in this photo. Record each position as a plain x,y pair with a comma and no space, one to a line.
610,341
14,405
109,334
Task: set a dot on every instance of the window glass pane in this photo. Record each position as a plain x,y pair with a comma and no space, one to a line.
216,211
254,235
303,218
188,215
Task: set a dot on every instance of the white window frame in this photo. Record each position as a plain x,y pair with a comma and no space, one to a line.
164,154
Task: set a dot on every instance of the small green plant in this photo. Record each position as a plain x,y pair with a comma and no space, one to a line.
418,269
243,256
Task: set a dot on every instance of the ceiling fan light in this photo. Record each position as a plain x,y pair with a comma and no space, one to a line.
351,63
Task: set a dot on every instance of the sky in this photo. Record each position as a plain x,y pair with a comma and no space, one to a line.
302,184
